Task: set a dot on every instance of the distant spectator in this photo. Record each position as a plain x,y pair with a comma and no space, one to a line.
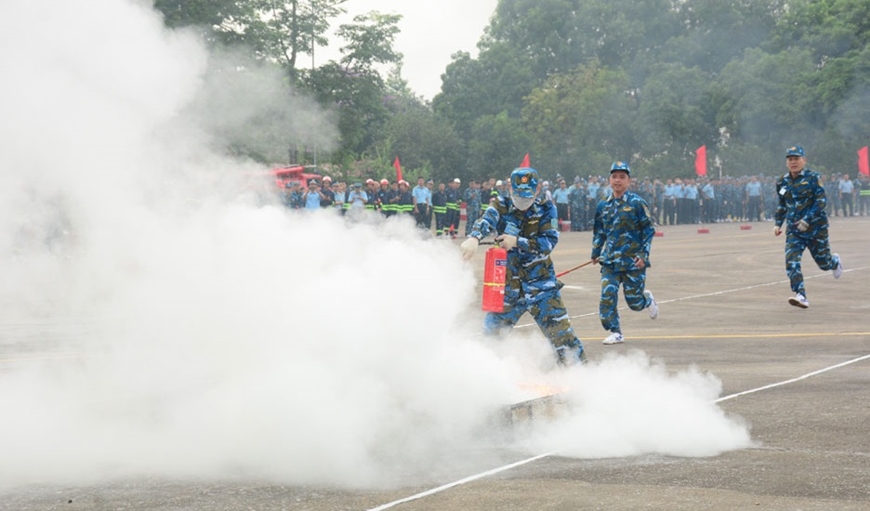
328,196
312,196
384,198
439,206
472,199
357,197
754,199
406,200
846,192
560,198
292,195
339,194
422,203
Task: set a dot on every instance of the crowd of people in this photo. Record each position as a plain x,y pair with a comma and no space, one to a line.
425,202
704,200
672,202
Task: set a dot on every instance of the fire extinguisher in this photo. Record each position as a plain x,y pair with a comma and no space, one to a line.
494,279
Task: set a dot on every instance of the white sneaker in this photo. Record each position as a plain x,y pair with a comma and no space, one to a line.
614,338
799,300
653,306
838,271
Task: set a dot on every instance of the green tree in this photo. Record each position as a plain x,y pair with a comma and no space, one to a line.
773,99
581,121
675,118
495,82
559,35
717,31
354,87
275,30
496,147
218,20
423,140
369,41
283,30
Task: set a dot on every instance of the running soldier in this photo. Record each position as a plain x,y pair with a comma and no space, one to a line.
802,210
621,240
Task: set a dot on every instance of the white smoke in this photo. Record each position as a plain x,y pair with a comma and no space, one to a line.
224,337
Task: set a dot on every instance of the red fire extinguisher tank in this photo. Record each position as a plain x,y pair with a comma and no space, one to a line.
494,279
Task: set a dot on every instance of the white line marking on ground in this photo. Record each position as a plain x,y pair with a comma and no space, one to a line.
705,295
799,378
540,456
459,482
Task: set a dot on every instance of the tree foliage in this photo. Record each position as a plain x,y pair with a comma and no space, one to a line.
650,81
579,83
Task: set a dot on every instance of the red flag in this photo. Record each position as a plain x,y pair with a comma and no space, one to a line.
701,161
525,162
863,164
398,169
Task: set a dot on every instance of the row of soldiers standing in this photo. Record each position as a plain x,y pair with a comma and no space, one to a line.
675,201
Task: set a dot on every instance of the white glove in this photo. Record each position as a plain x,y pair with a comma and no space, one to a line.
802,225
468,247
507,241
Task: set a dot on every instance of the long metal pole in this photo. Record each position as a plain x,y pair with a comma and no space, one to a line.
313,11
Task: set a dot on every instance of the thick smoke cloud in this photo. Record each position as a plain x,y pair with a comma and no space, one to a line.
160,319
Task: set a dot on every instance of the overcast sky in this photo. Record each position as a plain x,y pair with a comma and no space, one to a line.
431,33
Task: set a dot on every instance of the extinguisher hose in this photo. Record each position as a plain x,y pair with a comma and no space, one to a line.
587,263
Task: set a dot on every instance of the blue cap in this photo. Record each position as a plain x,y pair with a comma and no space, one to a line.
620,166
524,182
795,151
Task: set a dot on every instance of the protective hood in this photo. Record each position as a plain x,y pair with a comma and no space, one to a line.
523,203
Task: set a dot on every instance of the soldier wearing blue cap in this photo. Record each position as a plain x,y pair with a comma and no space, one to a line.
802,210
621,239
526,225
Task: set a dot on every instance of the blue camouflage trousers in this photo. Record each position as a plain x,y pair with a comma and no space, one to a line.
472,213
632,283
795,244
549,312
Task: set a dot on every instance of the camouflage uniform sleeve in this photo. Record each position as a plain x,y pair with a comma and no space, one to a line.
599,235
488,223
548,233
819,200
781,209
648,231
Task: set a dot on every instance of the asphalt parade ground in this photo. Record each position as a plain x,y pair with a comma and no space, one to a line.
799,378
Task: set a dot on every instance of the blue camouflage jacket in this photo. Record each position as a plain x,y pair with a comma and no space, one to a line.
537,232
802,197
622,231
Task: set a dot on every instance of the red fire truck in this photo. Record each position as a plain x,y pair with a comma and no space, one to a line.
293,173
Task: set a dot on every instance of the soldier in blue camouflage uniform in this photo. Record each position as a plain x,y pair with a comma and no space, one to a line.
527,227
802,209
292,197
472,205
622,235
577,205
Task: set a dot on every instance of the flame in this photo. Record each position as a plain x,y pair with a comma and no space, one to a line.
543,389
